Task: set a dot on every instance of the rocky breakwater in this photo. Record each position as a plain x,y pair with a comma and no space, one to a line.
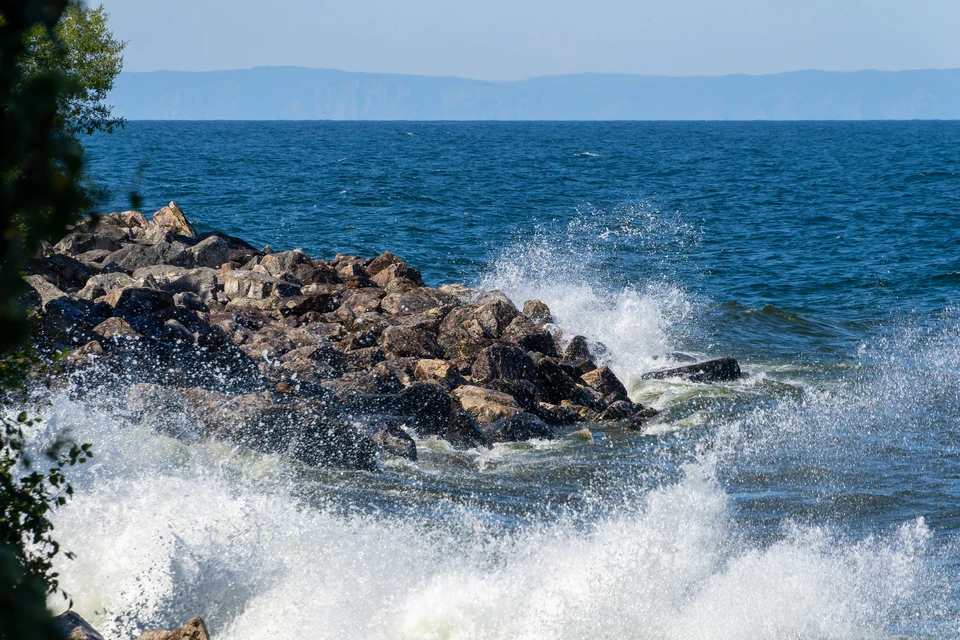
333,362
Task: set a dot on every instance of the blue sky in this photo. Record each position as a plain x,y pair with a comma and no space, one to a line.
515,39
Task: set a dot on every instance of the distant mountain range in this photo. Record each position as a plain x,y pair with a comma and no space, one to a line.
296,93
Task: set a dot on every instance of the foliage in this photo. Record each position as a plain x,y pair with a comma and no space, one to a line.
86,52
57,62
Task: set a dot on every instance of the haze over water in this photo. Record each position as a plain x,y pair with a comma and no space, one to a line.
818,497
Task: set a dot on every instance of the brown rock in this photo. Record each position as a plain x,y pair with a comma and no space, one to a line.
404,304
381,262
363,300
440,371
394,271
194,629
116,328
523,332
484,405
538,312
604,381
172,218
407,341
86,354
503,361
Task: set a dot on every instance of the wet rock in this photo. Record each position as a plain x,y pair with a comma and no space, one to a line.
717,370
523,332
401,285
391,439
364,357
519,427
524,392
495,316
407,341
440,371
113,328
485,405
553,381
86,354
604,381
172,218
73,627
410,304
381,262
556,414
65,321
193,629
503,361
537,312
433,413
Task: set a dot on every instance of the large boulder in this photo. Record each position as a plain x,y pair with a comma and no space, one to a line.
134,256
503,361
101,284
604,381
172,218
442,372
408,341
519,427
537,312
522,331
256,286
138,301
72,627
485,405
717,370
210,252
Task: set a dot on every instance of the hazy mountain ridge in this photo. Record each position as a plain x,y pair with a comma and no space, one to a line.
295,93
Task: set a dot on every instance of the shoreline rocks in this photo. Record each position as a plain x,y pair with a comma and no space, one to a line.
332,362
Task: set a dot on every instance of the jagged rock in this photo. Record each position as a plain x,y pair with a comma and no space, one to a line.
80,243
556,414
433,413
407,341
485,405
202,281
363,300
410,304
717,370
299,265
503,361
65,322
523,391
395,271
162,274
401,285
518,427
193,629
211,252
381,262
134,256
44,289
256,286
101,284
61,270
604,381
439,371
624,410
138,301
172,218
553,381
364,357
537,312
495,316
523,332
73,627
116,328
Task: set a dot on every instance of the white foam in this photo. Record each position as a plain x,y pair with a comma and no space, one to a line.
164,531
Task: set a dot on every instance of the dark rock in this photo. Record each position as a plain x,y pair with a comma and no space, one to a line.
391,439
523,391
61,270
73,627
113,328
78,243
495,316
138,301
364,358
556,414
553,381
135,256
211,252
101,284
524,333
429,406
45,291
718,370
503,361
537,312
65,321
519,427
363,300
381,262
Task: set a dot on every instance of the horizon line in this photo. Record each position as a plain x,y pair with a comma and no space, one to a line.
549,75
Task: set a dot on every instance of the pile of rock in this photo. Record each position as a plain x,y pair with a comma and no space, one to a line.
330,361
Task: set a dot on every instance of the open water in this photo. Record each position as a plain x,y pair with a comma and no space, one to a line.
818,497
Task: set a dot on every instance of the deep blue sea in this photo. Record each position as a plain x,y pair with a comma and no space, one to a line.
818,497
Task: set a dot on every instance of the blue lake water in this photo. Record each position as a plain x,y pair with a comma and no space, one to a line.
819,497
